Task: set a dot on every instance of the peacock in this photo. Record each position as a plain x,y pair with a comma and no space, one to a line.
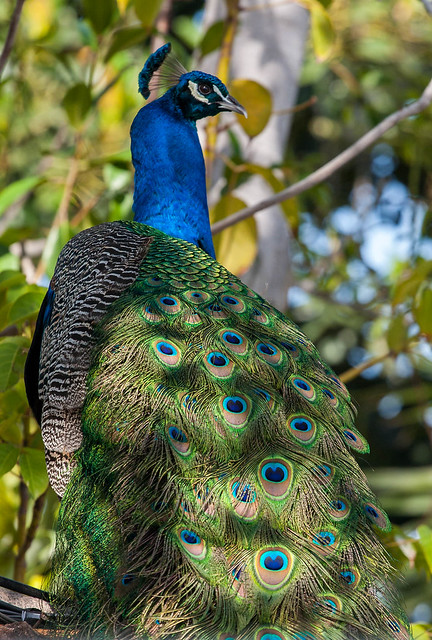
202,450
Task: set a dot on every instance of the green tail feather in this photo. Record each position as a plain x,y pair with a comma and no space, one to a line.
216,495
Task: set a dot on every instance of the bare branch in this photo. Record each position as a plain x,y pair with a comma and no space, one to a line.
328,169
10,38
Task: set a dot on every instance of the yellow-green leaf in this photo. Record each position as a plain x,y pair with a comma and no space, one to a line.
33,470
236,246
423,311
14,191
257,101
11,360
425,542
147,11
8,457
397,334
77,103
422,631
322,31
212,38
26,306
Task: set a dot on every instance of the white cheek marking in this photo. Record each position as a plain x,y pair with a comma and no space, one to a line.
196,94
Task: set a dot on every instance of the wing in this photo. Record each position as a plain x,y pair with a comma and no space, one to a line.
93,269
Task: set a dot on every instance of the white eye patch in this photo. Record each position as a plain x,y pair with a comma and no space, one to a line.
193,88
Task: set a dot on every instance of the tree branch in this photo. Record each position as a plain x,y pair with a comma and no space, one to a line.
328,169
10,38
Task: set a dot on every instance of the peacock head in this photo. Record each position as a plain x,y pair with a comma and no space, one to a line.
196,93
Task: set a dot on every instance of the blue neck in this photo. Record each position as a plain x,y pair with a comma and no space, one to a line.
170,190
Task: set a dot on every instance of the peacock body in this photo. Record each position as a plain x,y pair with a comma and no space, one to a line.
213,493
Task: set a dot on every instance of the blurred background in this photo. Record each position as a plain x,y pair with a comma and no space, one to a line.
350,260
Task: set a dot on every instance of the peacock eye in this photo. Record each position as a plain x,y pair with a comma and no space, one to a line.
204,88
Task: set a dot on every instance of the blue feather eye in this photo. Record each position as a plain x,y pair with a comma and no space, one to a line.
127,579
269,352
355,441
197,297
235,410
273,567
235,342
339,508
331,397
235,304
303,387
150,314
302,428
216,311
325,473
275,477
218,364
272,634
178,439
376,516
168,304
325,542
192,543
293,351
167,352
243,499
260,316
351,577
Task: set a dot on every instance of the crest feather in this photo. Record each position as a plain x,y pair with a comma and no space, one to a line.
161,70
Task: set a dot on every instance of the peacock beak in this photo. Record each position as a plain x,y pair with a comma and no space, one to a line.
231,104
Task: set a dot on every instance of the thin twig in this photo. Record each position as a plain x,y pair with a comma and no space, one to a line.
354,372
328,169
10,38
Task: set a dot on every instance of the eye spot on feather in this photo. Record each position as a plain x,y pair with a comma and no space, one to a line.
355,441
197,297
275,475
331,604
341,385
325,542
269,353
302,428
154,281
168,304
235,410
127,579
339,508
192,543
178,440
303,387
377,516
233,303
243,499
150,315
235,341
292,349
226,636
192,319
271,634
351,577
262,393
324,472
259,316
234,286
167,352
398,630
304,635
331,397
273,566
218,364
216,311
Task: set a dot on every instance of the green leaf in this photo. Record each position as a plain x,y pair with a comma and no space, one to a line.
14,191
100,13
8,457
9,279
322,31
235,246
26,306
147,11
33,470
213,37
423,311
397,336
257,101
425,542
124,39
421,631
410,281
77,103
11,360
